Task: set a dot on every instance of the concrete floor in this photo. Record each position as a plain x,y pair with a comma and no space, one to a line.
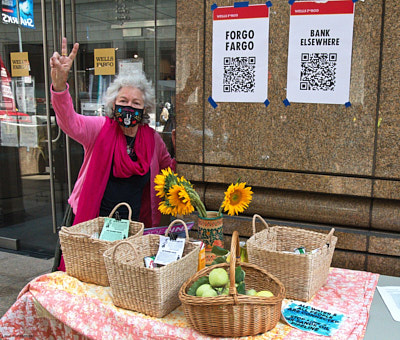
15,272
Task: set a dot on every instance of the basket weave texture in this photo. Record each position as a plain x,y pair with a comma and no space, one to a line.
83,254
151,291
301,274
234,315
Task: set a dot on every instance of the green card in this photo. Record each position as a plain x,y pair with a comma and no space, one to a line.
114,230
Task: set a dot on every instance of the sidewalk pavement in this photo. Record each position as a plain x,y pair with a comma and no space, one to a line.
15,272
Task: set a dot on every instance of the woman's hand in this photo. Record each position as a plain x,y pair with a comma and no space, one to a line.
61,64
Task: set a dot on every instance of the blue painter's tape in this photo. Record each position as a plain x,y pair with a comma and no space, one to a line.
269,4
214,6
266,103
241,4
286,102
291,2
212,102
347,104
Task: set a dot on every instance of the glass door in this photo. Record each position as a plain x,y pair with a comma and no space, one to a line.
39,163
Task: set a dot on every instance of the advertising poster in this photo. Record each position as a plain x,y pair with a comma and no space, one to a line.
240,54
104,61
10,14
319,56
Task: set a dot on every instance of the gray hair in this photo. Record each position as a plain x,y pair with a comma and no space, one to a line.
133,79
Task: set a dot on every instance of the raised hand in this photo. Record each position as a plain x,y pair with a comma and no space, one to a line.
61,64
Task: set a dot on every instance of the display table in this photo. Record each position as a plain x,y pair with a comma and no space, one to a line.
58,306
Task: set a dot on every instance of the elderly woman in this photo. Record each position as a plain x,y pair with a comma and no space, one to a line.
122,153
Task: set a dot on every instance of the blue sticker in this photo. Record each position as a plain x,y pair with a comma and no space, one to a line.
347,104
307,318
354,1
291,2
214,6
212,102
269,4
241,4
266,103
286,102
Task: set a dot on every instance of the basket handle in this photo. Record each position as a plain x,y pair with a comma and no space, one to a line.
74,233
117,206
117,246
235,249
175,222
328,238
254,222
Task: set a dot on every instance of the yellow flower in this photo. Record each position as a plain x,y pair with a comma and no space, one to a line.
167,209
179,198
162,180
237,198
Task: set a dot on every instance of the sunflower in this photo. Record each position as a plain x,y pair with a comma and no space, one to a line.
179,198
166,209
163,181
237,198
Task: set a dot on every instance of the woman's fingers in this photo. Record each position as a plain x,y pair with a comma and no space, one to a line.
74,51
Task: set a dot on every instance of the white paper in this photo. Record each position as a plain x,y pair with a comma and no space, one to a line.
391,297
240,54
169,250
319,56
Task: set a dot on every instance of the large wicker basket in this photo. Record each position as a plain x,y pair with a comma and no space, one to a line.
234,315
83,254
301,274
151,291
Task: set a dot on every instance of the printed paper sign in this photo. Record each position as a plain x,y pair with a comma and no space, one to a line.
240,54
307,318
10,14
319,56
104,61
19,64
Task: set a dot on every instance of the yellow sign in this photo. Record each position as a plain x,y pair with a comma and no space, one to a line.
104,61
19,64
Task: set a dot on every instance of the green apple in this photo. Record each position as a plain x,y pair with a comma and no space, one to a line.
251,292
218,277
265,293
202,289
209,293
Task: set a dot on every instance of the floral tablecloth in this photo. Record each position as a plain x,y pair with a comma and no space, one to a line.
58,306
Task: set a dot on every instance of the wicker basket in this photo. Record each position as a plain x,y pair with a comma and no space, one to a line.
151,291
83,255
234,315
301,274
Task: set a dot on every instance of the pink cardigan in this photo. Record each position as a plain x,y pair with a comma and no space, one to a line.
85,129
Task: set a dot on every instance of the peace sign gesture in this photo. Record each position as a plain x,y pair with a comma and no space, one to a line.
61,64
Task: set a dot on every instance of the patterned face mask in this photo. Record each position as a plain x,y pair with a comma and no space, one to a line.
128,116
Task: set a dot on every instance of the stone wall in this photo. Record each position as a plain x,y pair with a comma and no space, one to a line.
314,166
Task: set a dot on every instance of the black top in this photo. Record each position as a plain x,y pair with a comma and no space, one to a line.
127,190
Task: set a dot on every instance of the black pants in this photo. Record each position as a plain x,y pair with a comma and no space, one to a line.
67,222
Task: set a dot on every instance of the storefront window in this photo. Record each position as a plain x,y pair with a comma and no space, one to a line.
142,35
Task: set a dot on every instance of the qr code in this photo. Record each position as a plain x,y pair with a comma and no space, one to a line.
318,71
239,74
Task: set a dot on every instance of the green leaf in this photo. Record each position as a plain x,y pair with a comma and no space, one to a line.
220,259
241,288
239,274
202,280
219,251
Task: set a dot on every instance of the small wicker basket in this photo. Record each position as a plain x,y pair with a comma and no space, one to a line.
151,291
83,254
234,315
301,274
